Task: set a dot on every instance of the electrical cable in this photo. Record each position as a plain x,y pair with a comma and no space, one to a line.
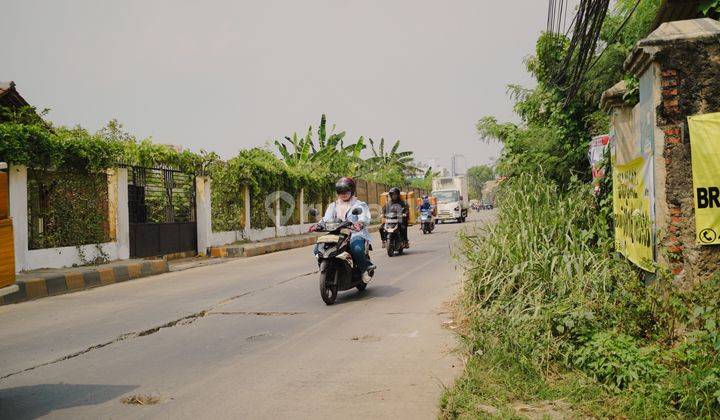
615,35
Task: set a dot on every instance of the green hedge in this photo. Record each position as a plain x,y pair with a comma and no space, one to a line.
263,173
67,209
38,145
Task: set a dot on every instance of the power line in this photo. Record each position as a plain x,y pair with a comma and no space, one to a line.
580,51
615,35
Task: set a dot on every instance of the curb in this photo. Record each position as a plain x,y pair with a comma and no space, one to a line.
259,248
51,284
179,255
55,284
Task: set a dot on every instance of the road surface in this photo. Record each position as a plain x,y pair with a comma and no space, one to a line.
249,338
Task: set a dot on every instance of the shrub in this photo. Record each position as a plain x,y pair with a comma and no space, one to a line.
553,312
616,360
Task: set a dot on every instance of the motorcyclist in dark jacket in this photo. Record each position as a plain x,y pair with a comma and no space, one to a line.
399,206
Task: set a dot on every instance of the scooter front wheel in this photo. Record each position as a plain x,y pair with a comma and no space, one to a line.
328,286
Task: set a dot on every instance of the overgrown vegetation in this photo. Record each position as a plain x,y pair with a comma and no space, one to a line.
310,162
331,157
550,313
66,209
553,135
551,317
32,142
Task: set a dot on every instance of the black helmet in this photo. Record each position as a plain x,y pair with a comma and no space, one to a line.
345,184
394,190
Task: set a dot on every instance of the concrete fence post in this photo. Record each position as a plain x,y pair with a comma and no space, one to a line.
277,213
19,213
203,213
246,200
122,213
302,208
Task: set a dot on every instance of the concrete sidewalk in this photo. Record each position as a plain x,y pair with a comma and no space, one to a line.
49,282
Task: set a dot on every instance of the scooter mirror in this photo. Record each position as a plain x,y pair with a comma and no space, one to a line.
357,211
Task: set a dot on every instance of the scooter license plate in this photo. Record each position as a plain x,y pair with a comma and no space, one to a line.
328,238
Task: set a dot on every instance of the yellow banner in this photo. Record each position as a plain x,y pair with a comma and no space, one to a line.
705,154
633,224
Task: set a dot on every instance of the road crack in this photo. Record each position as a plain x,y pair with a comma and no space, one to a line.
258,313
185,320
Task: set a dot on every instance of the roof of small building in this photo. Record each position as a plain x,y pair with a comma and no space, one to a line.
9,95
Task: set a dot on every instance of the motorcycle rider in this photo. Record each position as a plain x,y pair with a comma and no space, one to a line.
399,206
360,238
426,205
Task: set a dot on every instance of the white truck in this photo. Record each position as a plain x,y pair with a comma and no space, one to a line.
452,198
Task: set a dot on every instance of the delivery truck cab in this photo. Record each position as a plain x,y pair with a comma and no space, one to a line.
452,199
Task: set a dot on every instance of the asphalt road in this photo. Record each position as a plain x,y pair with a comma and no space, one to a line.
249,338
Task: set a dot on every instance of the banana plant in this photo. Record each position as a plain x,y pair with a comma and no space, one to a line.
384,161
330,154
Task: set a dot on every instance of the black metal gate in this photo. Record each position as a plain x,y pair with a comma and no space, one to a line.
162,211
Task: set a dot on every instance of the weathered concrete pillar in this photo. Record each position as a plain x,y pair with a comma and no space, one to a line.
246,201
123,214
302,209
118,211
19,213
277,223
203,213
678,66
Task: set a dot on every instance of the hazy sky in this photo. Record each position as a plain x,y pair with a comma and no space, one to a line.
225,75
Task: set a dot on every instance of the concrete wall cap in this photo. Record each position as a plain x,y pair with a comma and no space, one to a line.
682,30
613,97
667,34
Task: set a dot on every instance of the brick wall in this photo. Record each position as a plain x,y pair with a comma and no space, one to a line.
690,83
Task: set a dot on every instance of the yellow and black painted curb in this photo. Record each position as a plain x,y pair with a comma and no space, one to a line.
179,255
56,284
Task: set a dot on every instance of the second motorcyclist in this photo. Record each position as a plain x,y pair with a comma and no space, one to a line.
396,204
426,205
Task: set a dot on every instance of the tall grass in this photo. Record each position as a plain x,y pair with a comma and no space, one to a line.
550,312
542,273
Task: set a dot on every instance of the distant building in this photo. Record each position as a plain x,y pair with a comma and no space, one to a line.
10,98
175,147
425,164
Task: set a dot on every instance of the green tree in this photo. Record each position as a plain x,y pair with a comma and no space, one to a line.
424,182
391,167
477,177
553,134
329,155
